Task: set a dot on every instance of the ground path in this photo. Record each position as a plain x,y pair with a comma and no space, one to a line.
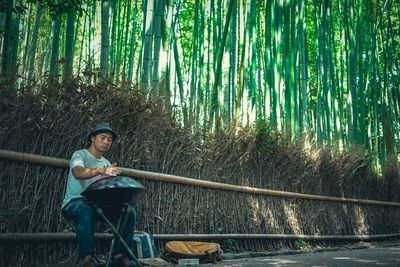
373,254
386,254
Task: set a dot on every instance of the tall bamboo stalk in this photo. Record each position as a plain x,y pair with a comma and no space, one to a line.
104,57
6,51
147,45
69,46
214,108
34,42
55,48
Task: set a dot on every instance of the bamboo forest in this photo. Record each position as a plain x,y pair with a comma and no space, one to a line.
326,69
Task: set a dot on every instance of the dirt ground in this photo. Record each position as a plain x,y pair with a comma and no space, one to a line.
373,254
385,254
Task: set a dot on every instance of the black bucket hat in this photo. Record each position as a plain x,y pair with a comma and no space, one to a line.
101,128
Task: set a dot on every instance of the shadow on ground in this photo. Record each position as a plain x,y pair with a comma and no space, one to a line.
385,254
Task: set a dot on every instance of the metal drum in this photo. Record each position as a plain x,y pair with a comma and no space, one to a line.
114,191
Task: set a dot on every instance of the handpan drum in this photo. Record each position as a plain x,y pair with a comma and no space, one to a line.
114,191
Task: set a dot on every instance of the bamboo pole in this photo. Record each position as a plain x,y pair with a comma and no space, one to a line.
8,238
63,163
33,158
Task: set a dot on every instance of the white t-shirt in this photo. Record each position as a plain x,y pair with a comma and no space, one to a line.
75,186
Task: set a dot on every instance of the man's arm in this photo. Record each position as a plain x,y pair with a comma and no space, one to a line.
82,173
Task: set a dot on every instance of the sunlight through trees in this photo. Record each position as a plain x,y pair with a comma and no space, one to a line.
325,68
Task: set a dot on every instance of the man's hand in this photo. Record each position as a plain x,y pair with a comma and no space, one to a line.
82,173
111,170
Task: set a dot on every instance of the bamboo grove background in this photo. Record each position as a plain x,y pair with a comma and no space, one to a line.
325,68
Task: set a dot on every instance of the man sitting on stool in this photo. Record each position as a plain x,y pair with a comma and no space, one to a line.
85,167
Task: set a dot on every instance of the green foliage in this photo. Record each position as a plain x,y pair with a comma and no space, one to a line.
58,7
228,244
302,244
20,8
184,32
328,71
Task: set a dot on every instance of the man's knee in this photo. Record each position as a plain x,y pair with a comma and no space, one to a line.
85,212
131,212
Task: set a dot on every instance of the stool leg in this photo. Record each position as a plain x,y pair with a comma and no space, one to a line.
123,218
118,236
112,246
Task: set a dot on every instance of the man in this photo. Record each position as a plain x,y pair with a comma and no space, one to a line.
86,166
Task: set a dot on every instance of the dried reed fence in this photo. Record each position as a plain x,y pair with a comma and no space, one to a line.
55,123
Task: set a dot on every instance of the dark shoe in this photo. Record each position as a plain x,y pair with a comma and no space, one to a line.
123,261
88,261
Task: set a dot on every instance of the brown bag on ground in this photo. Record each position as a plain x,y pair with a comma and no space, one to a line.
205,252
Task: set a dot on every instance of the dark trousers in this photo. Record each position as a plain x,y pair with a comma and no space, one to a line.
82,212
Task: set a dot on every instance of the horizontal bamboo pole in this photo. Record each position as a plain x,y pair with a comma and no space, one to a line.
34,158
11,238
63,163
